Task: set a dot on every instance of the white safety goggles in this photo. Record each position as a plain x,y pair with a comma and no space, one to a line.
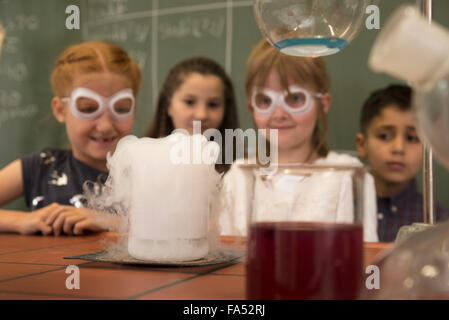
86,104
295,101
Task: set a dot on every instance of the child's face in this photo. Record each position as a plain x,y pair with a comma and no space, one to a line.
198,98
294,131
91,140
392,146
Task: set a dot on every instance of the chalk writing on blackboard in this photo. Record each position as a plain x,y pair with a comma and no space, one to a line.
106,8
139,56
21,22
17,71
11,44
192,27
12,114
122,32
10,98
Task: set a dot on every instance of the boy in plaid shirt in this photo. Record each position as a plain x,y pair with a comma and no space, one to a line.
390,143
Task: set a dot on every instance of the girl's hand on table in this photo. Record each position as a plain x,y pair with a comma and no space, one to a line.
74,221
30,223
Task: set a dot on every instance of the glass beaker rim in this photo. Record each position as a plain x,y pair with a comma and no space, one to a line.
297,168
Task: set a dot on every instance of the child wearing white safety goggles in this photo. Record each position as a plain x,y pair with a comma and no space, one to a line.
86,104
295,100
94,85
289,100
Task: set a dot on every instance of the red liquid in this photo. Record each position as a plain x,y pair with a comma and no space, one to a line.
297,260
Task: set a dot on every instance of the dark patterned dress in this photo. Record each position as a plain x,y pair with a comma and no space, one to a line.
54,175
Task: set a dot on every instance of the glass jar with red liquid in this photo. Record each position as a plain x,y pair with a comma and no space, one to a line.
305,232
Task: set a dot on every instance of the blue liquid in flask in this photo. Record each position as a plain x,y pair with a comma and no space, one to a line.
307,47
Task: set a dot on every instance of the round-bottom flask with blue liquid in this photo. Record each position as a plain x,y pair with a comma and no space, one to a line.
306,47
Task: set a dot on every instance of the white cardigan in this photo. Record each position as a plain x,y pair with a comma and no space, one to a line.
311,199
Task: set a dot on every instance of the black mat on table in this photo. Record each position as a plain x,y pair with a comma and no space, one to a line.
124,258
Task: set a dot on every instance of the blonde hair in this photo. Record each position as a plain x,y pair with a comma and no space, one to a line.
92,57
310,72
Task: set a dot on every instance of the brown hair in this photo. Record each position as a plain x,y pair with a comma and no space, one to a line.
311,72
91,57
397,95
162,124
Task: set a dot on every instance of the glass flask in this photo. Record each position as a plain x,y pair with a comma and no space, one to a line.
408,39
310,27
416,268
305,237
432,115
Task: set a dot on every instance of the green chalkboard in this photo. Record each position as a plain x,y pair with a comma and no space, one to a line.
158,34
161,33
35,35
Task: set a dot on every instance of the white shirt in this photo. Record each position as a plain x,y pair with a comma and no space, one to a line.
324,197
